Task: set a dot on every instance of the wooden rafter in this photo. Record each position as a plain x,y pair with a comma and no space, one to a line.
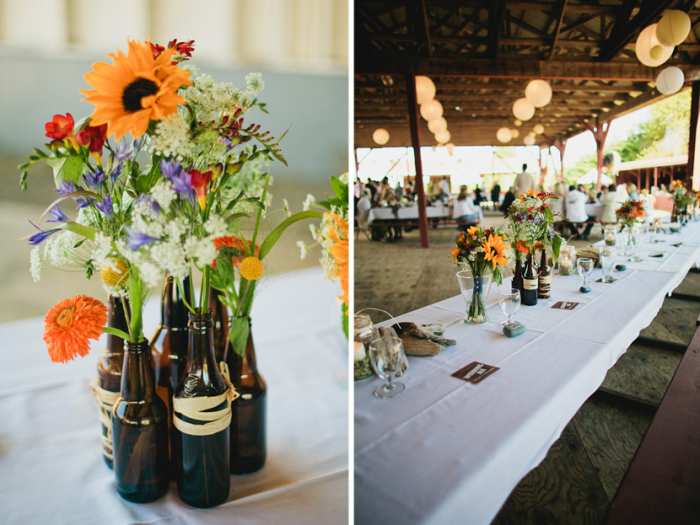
556,30
496,13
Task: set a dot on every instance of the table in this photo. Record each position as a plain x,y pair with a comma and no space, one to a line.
411,212
446,451
51,467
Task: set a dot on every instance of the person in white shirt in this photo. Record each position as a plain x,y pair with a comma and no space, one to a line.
610,203
445,186
464,209
364,205
524,182
576,209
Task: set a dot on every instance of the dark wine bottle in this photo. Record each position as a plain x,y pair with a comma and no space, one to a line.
530,282
248,418
140,430
219,314
544,280
518,276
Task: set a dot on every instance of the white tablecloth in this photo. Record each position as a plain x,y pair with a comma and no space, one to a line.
51,467
446,451
408,213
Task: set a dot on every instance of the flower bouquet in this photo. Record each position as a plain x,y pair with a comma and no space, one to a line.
481,251
629,213
531,221
682,198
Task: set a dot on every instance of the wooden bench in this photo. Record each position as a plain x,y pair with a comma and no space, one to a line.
662,484
413,223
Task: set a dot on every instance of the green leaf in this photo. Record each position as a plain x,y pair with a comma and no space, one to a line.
85,231
115,331
340,189
66,169
345,320
64,197
238,335
556,244
275,234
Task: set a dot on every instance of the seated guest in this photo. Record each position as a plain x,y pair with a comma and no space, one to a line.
508,199
558,207
632,191
464,209
576,209
610,203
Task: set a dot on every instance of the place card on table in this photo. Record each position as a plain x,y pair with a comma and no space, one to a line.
657,255
565,305
475,372
606,282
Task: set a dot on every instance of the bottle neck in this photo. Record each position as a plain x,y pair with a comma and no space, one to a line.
200,351
543,261
137,375
117,319
248,358
173,310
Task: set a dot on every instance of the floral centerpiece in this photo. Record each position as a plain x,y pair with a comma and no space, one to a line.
682,198
531,223
629,213
481,251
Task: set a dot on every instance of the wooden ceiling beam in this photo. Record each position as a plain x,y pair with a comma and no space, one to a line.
556,30
572,8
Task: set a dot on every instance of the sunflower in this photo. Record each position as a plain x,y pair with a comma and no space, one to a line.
134,90
69,325
472,231
494,250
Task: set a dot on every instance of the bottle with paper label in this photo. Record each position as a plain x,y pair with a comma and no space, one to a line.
544,287
530,282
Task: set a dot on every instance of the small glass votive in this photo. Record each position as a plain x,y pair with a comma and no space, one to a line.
567,260
607,261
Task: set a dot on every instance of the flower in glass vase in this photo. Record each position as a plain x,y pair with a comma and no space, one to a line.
630,212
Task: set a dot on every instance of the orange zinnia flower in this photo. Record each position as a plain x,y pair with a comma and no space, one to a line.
522,247
455,253
69,325
239,247
341,253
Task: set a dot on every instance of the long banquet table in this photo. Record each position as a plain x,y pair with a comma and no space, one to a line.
448,451
51,467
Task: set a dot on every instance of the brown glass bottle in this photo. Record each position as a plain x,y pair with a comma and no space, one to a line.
248,419
544,278
140,430
204,475
219,313
530,284
109,365
518,276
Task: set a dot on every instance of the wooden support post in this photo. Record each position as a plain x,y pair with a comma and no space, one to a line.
693,168
656,177
414,125
648,180
600,132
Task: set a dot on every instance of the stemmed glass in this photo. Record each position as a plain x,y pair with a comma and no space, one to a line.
584,266
387,357
509,301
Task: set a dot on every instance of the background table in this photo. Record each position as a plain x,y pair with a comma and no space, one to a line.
447,451
51,466
410,212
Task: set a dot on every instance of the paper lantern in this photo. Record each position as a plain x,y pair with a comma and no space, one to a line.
431,110
504,135
670,80
380,136
425,90
538,129
443,137
531,134
518,123
529,140
514,133
649,50
673,28
437,125
539,92
450,148
523,109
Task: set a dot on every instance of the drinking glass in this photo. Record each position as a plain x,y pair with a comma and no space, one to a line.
607,261
637,238
584,266
509,301
387,357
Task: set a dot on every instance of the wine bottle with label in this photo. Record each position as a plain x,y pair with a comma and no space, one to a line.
544,289
530,282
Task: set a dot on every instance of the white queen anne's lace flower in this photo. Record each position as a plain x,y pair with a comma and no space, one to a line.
35,266
172,137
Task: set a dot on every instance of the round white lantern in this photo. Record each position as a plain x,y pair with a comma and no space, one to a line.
514,133
538,129
539,92
450,148
670,80
649,50
673,28
437,125
431,110
425,90
518,123
443,137
529,140
504,135
380,136
523,109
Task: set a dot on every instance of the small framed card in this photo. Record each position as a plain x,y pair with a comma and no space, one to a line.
657,255
565,305
475,372
606,282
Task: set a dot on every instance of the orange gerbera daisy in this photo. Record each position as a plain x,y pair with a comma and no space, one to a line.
522,247
341,253
494,250
70,324
134,90
238,246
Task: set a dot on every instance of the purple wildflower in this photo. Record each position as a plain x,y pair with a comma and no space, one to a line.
135,239
40,237
148,199
95,180
57,215
183,183
114,175
84,202
105,206
66,188
125,151
170,169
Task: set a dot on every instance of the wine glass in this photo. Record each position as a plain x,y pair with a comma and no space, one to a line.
387,357
509,301
584,266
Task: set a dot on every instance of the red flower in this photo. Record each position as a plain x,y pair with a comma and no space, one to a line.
182,48
200,182
156,49
61,128
94,137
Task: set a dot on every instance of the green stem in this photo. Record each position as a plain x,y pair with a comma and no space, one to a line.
184,296
128,318
205,280
191,288
260,211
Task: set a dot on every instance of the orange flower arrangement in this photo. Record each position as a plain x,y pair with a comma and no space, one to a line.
70,324
238,247
340,250
495,250
522,247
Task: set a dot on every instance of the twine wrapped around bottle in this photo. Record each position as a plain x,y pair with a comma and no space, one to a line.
197,409
105,401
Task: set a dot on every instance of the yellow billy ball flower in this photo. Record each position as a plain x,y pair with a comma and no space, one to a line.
114,274
251,268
